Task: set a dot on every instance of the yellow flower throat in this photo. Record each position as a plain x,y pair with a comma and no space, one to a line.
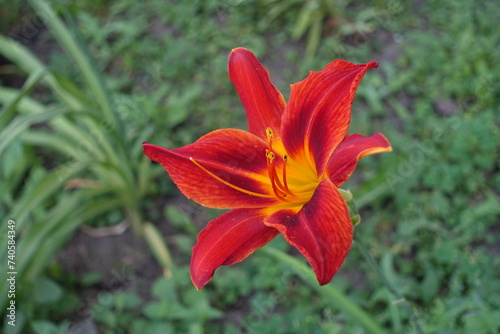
292,181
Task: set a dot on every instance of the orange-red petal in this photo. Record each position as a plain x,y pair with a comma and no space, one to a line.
263,102
318,113
354,147
234,156
228,239
322,230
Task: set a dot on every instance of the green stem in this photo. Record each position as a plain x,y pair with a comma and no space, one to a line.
336,298
399,297
158,247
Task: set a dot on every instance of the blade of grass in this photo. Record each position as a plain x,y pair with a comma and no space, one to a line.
22,57
400,298
78,54
395,314
27,61
58,227
303,21
371,195
37,194
40,192
35,234
33,249
21,123
25,106
314,37
73,46
9,109
58,143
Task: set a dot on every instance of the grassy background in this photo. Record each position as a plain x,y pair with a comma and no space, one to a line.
430,209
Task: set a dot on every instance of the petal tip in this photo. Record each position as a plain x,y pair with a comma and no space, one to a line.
198,284
239,51
372,64
198,278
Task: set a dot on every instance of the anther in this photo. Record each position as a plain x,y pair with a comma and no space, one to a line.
270,155
270,136
269,133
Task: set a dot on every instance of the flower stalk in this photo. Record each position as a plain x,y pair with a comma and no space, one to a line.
335,298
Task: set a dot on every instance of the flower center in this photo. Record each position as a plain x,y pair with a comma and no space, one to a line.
292,180
280,187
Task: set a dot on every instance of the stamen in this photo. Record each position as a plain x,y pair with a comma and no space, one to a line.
273,177
280,190
280,187
285,160
269,133
270,156
270,136
229,184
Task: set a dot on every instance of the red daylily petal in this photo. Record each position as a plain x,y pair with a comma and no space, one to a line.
228,239
263,102
354,147
322,230
318,113
234,156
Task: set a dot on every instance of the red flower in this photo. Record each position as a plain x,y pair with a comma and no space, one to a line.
282,176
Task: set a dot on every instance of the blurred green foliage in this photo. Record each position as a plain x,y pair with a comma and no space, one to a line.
429,210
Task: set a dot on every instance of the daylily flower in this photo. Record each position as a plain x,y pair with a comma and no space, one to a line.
283,175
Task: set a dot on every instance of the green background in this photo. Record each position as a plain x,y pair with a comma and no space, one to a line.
93,214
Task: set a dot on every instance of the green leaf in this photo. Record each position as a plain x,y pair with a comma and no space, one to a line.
330,294
314,37
25,105
59,226
9,108
431,284
126,300
79,54
47,327
164,289
476,323
200,305
46,291
42,190
21,321
179,219
90,278
27,61
304,20
21,123
72,89
105,316
160,310
178,107
15,161
140,326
